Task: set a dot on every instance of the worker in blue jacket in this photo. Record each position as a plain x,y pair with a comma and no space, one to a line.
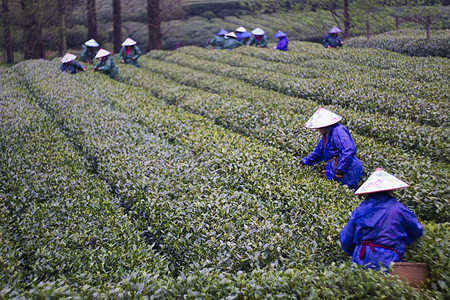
380,227
245,38
239,31
336,147
282,41
332,39
68,64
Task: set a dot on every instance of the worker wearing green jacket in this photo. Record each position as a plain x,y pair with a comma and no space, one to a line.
258,39
231,42
106,63
88,51
218,41
130,53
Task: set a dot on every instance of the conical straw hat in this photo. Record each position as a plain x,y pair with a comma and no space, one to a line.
92,43
334,30
280,34
380,181
232,35
222,32
322,118
241,29
129,42
258,31
68,57
102,53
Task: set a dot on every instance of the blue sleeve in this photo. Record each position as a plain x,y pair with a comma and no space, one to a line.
339,41
344,142
316,156
412,228
325,41
62,67
346,236
78,65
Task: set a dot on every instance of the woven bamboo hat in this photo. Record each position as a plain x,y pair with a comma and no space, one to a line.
129,42
92,43
380,181
68,57
258,31
334,30
322,118
222,32
102,53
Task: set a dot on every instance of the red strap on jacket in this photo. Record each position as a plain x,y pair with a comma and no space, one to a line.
372,247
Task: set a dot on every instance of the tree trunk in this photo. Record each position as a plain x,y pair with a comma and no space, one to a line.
397,23
347,20
7,31
92,19
428,28
62,47
117,20
154,24
32,31
367,29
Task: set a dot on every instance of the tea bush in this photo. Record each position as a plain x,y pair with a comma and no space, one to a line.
282,130
58,219
152,188
407,41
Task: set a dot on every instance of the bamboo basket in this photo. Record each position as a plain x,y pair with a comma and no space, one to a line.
416,274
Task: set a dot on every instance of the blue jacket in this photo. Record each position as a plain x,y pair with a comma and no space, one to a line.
339,143
72,68
332,41
283,44
383,221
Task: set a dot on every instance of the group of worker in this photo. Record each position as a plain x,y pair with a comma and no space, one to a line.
129,54
230,40
380,227
241,37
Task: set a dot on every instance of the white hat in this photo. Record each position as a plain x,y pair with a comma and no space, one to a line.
231,34
92,43
241,29
102,53
129,42
258,31
322,118
380,181
68,57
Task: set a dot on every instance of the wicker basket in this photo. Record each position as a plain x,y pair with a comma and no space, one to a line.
416,274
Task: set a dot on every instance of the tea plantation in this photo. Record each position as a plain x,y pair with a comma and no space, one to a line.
181,179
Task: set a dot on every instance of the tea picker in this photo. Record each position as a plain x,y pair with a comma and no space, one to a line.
218,41
68,64
380,227
130,53
231,42
258,38
332,39
282,41
106,63
336,147
89,51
